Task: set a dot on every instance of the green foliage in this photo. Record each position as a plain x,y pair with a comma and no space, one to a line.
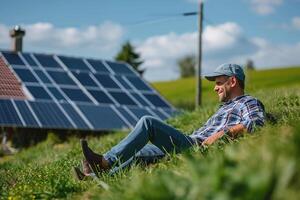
128,55
263,165
187,66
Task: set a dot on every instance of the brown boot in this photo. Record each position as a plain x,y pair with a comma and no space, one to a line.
96,161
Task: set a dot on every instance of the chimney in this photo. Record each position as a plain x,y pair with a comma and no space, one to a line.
17,35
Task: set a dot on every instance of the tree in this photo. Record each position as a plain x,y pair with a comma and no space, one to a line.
187,66
250,65
128,54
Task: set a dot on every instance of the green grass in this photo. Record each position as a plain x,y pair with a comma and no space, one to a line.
264,165
184,94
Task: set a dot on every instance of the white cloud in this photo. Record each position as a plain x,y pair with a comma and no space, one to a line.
45,36
265,7
219,43
296,23
274,55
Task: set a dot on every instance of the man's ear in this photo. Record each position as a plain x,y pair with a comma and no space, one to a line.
233,81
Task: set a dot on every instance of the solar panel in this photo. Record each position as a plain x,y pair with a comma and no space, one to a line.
76,95
122,98
98,66
57,94
8,115
85,79
100,96
29,59
106,81
120,68
39,92
131,119
13,58
47,61
138,83
75,117
156,100
26,75
66,92
50,115
103,117
44,78
74,63
28,118
61,77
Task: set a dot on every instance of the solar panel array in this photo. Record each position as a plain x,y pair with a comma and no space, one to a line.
77,93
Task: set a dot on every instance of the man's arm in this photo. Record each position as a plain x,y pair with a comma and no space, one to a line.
233,131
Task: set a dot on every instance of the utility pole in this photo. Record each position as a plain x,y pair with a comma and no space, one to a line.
199,60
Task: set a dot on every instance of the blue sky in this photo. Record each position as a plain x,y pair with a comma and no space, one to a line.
266,31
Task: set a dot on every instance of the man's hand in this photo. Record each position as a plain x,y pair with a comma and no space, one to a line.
234,131
211,139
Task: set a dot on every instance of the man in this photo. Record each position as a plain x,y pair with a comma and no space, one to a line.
237,114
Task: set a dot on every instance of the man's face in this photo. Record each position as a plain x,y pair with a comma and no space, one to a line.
223,88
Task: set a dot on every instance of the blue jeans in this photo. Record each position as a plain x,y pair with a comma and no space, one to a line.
164,139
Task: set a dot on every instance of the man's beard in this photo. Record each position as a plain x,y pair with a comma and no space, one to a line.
225,97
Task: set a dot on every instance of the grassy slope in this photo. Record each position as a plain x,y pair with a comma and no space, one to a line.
184,95
263,165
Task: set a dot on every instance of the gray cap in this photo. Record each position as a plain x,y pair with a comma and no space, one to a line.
227,69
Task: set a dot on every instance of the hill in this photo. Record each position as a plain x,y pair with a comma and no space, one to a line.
184,94
264,165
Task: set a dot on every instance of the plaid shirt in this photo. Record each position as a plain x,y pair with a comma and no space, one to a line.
243,109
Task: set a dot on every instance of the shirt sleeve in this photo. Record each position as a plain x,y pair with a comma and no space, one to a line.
253,114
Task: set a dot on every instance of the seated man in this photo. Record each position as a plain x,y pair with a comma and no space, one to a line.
238,112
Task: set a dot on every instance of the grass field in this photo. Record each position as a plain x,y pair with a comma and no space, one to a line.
264,165
184,94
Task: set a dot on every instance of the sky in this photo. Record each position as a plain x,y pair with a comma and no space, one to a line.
265,31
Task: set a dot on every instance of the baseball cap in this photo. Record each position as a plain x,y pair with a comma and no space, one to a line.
227,69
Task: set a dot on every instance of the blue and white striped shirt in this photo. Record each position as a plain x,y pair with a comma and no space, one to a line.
244,109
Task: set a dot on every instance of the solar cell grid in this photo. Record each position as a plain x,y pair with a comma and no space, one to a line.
13,58
50,115
100,96
106,81
39,92
120,68
76,95
103,118
156,100
61,77
26,114
74,116
140,99
74,63
123,82
98,66
8,114
122,98
42,76
76,85
29,59
85,79
138,83
26,75
47,61
127,116
56,93
140,112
